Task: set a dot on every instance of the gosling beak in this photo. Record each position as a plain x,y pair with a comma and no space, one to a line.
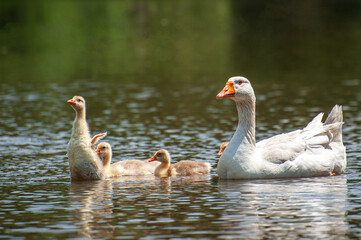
71,101
220,152
227,91
154,158
97,151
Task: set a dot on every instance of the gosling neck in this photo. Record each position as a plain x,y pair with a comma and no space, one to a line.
80,114
165,164
106,161
162,169
80,124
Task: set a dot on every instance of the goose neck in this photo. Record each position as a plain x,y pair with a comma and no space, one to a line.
246,122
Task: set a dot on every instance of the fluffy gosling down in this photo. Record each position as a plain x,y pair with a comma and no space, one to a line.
122,168
181,168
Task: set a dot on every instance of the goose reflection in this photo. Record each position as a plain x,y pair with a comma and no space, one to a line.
289,208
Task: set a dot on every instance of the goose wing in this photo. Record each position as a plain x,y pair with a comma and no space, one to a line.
288,146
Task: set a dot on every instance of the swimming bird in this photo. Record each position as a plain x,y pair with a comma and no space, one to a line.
84,163
132,167
181,168
316,150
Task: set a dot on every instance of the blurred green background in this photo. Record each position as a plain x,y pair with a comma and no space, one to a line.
179,41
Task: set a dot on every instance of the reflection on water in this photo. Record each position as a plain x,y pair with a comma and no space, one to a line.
307,208
124,206
93,208
149,73
188,207
38,198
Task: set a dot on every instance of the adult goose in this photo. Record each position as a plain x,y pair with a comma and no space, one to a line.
84,163
181,168
316,150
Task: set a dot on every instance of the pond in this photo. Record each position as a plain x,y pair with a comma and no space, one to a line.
150,73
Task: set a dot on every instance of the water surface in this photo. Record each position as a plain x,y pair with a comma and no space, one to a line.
150,74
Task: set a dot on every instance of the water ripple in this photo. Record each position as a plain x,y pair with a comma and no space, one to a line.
38,195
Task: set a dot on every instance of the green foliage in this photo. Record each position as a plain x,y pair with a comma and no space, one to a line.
62,41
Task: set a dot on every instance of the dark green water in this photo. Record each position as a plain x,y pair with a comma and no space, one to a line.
150,72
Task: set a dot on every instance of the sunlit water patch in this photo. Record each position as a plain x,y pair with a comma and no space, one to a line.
39,199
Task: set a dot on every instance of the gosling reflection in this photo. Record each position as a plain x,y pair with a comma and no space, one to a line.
92,204
96,203
288,208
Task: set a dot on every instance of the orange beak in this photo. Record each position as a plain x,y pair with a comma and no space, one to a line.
97,151
227,91
220,152
71,101
154,158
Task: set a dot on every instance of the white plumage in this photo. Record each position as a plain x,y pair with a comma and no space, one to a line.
316,150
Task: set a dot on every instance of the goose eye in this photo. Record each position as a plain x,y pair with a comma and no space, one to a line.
240,82
103,147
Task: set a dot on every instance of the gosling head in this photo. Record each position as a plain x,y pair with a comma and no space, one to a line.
221,149
162,156
77,102
104,149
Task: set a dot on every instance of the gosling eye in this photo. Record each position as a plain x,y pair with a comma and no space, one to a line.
103,147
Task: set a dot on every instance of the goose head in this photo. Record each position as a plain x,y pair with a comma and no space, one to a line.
162,156
221,149
77,102
238,89
104,149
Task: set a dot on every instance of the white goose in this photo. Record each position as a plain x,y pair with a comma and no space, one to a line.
83,161
316,150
